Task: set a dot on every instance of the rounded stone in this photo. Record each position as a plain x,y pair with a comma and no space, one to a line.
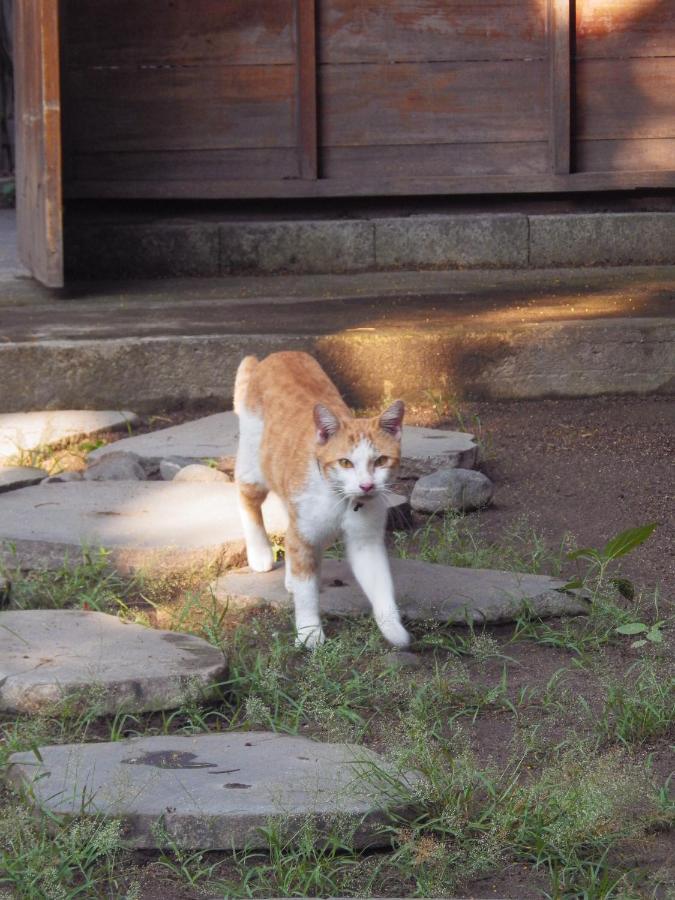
116,467
49,655
198,473
451,489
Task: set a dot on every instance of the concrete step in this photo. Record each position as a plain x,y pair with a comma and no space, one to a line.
476,334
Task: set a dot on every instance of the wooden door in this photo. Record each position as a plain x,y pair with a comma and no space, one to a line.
38,139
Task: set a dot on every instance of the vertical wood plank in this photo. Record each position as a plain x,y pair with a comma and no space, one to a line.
38,135
560,56
306,88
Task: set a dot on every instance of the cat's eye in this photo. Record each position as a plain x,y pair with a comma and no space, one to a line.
382,461
346,463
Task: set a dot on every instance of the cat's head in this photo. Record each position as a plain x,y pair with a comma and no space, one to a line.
359,456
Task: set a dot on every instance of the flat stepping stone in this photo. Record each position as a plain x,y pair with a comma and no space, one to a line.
209,791
436,446
13,477
216,436
211,437
29,430
142,523
425,592
47,655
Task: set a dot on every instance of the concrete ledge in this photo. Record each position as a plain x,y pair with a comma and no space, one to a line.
310,247
566,359
452,242
601,239
175,248
152,250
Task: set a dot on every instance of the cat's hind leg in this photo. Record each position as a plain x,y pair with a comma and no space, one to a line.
252,491
302,580
258,548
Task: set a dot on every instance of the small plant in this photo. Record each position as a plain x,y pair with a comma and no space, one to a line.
599,560
651,633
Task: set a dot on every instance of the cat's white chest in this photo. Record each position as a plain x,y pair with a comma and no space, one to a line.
320,511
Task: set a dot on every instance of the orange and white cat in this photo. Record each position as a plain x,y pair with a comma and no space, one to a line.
298,438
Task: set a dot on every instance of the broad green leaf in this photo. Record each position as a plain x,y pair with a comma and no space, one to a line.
632,628
626,541
654,635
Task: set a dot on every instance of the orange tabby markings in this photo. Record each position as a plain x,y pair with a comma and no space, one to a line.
299,439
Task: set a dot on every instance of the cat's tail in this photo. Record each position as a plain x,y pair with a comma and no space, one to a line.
244,372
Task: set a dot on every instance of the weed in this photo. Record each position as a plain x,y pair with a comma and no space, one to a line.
458,540
89,583
638,708
59,860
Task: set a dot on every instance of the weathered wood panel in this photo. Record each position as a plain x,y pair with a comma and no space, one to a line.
630,28
38,140
181,109
353,31
172,32
434,103
306,90
616,99
560,103
638,155
434,160
188,165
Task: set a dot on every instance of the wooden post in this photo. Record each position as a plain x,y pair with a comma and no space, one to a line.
560,56
306,88
38,139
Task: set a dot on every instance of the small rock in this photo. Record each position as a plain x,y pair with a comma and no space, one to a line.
199,473
446,489
402,659
64,478
13,477
171,466
116,467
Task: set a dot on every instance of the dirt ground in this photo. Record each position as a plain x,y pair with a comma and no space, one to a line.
592,467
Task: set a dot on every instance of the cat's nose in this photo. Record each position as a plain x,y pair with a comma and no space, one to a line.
366,486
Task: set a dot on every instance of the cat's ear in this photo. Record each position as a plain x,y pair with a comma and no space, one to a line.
392,419
326,423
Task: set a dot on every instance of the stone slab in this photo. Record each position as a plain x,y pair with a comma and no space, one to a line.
29,430
13,477
425,592
47,655
161,250
216,436
141,523
210,437
316,246
602,239
436,446
210,791
489,241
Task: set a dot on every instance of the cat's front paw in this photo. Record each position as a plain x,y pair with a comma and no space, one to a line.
261,558
395,633
310,638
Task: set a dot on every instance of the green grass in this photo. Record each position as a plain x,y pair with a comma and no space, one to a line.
563,800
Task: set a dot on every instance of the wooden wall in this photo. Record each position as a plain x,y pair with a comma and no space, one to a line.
192,98
625,85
